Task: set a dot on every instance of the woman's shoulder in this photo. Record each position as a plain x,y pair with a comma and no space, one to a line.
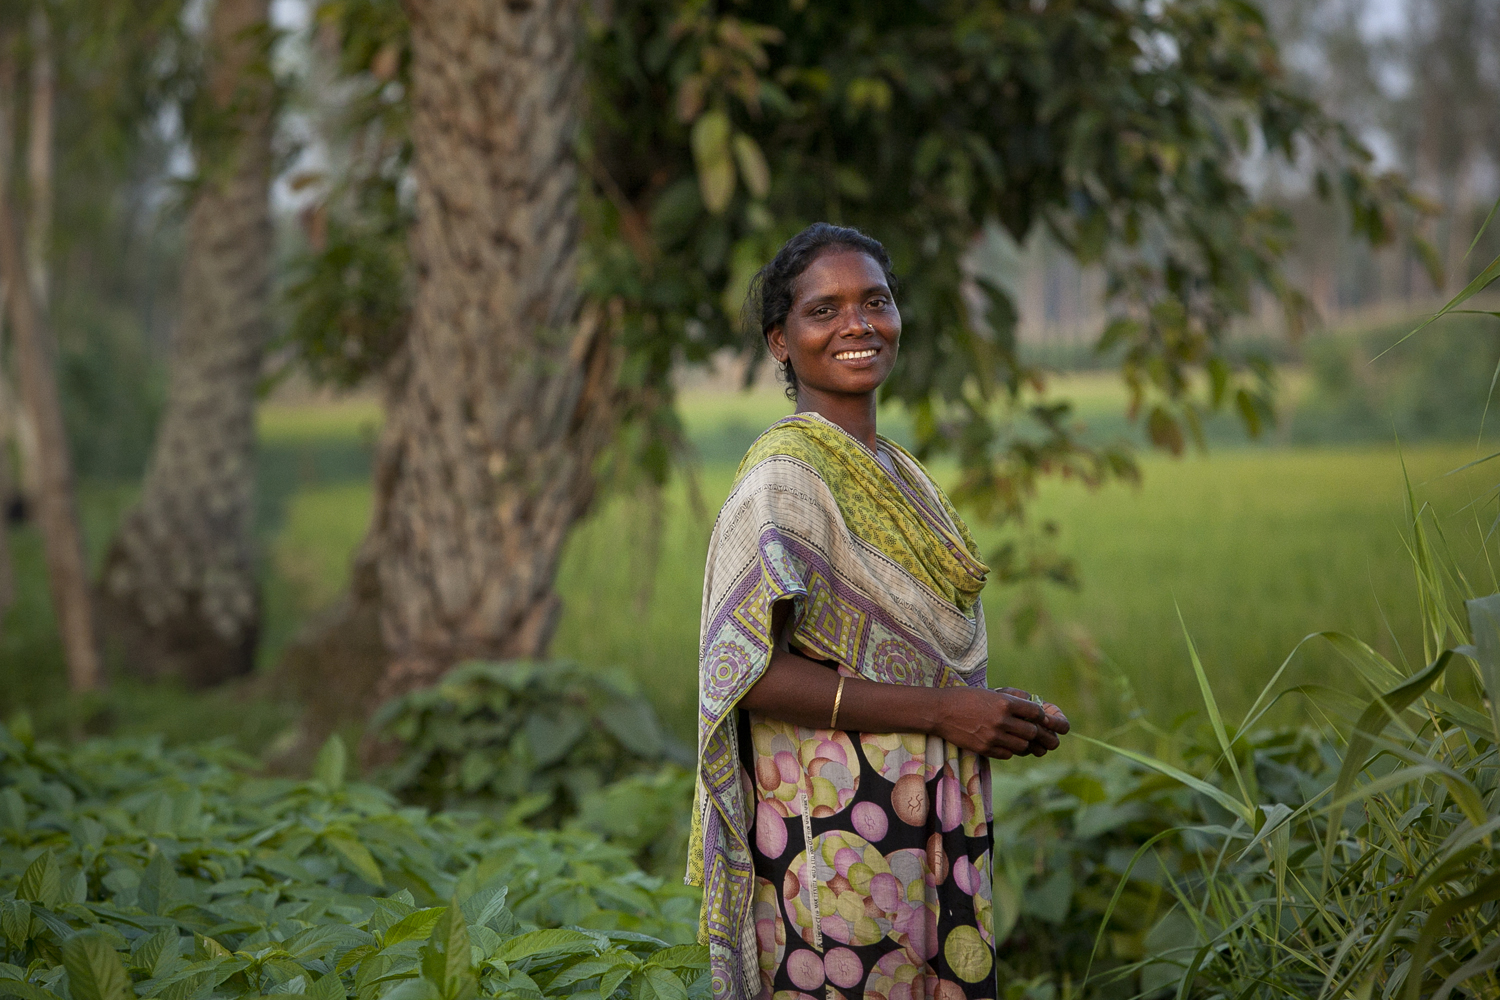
796,437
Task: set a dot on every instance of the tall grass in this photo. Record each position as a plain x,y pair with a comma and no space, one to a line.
1385,879
1382,878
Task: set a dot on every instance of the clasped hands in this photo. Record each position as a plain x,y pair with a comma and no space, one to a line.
1001,723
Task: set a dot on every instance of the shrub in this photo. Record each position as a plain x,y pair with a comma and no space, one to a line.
1432,387
526,741
1068,875
128,869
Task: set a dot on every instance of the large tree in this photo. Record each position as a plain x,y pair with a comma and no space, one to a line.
714,131
501,394
179,581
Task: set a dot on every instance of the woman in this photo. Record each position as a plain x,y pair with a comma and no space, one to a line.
842,679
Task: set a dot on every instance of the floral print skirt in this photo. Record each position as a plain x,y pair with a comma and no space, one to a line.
893,900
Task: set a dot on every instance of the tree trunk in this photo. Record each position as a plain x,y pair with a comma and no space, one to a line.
7,402
503,395
57,504
179,582
39,159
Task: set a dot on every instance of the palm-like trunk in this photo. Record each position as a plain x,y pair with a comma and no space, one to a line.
504,394
179,583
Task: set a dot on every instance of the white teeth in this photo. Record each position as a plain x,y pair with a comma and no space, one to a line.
855,355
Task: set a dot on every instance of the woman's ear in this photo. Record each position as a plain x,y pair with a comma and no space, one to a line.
776,344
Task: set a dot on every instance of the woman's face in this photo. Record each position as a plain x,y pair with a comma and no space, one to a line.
842,329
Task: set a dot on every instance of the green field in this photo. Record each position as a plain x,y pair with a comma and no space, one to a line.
1257,546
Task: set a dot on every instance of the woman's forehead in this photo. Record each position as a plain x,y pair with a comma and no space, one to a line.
839,270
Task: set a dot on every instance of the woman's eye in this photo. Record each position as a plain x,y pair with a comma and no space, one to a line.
878,303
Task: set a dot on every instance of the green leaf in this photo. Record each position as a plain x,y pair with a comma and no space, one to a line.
413,926
12,810
611,980
656,983
332,762
483,906
15,921
1164,431
26,991
315,942
41,882
413,989
753,167
329,987
632,721
158,885
713,159
158,953
94,969
550,737
553,941
447,961
356,856
682,956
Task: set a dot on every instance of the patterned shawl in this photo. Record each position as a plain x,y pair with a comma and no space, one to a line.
883,577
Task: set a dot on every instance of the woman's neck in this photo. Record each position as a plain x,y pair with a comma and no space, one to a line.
855,415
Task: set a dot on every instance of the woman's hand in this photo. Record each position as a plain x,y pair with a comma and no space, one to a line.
998,724
1052,719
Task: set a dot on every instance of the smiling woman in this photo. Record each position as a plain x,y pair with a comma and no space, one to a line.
842,822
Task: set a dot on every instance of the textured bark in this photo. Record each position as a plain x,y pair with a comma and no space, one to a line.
503,395
56,500
179,582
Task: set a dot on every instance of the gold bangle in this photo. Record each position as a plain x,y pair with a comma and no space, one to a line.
838,696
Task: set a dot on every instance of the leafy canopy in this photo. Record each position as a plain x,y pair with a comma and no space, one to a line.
715,130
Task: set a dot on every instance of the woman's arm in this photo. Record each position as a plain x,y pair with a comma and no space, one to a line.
993,723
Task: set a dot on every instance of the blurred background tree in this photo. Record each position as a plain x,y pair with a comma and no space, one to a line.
179,582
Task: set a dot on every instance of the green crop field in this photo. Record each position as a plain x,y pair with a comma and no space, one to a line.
1257,546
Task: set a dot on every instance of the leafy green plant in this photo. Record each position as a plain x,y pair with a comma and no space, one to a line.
1089,851
524,740
1384,877
130,870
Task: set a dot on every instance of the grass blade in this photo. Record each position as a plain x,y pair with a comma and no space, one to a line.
1370,725
1485,225
1233,805
1212,704
1473,288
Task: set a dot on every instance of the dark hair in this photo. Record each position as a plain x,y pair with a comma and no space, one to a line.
774,286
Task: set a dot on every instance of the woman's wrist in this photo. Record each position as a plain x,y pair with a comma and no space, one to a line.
934,711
